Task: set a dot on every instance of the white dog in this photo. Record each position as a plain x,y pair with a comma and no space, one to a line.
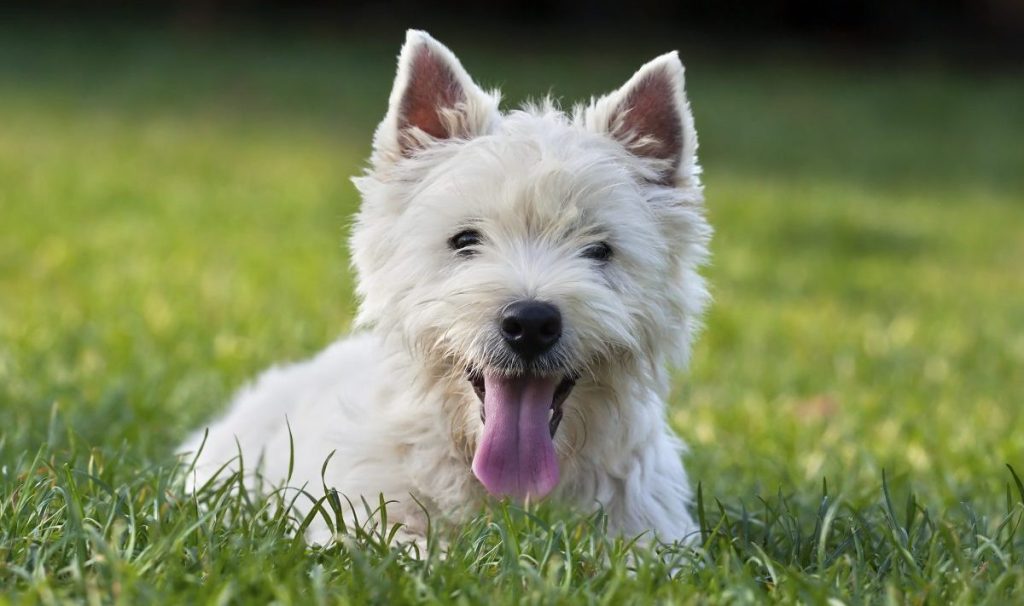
526,279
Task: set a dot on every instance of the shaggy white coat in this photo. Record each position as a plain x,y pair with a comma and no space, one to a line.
393,402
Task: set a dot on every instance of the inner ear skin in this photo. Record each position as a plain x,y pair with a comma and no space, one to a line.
650,112
432,86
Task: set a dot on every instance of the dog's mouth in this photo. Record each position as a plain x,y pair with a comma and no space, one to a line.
515,455
476,379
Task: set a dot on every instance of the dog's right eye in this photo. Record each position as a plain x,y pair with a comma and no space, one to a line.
463,241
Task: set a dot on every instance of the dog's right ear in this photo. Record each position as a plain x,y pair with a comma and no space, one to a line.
433,99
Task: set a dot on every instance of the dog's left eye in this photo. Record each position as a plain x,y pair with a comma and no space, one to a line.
464,240
598,252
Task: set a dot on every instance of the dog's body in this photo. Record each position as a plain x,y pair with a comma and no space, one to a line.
525,279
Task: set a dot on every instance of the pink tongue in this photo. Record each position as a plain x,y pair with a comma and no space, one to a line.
516,456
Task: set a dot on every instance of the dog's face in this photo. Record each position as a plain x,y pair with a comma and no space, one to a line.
535,262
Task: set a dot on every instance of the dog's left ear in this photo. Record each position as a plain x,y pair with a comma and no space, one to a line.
651,117
433,99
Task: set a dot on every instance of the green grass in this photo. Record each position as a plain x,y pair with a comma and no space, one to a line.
172,213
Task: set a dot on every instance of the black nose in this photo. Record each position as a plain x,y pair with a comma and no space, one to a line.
531,327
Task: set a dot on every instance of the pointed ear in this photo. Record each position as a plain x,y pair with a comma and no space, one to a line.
650,116
433,99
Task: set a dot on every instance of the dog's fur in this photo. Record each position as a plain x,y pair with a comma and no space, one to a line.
539,186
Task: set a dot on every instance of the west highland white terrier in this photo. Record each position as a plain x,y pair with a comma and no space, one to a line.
526,280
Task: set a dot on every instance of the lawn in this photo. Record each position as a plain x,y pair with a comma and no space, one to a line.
172,219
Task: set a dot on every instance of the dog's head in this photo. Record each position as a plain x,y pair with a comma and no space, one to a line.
519,256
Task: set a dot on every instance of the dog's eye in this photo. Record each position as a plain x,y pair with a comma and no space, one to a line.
463,241
598,252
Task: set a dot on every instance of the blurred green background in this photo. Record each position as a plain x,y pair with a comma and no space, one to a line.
174,203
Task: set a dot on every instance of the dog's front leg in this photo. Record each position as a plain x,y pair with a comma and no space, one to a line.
656,495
